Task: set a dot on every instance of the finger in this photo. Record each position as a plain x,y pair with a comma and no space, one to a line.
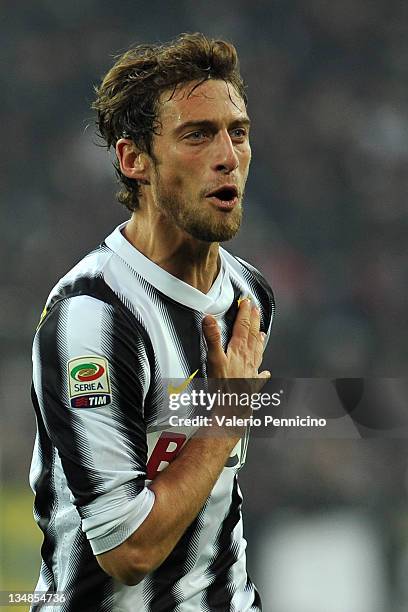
212,337
259,349
253,335
241,325
261,379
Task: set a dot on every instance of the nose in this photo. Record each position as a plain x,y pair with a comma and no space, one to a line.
226,159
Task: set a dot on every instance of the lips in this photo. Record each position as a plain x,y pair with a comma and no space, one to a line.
224,193
224,197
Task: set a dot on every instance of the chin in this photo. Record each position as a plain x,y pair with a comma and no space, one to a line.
215,230
213,234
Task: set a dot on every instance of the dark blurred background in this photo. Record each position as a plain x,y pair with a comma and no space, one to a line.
326,222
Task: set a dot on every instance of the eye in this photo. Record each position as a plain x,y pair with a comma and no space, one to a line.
196,136
239,133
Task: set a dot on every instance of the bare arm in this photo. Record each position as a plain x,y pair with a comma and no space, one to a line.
183,487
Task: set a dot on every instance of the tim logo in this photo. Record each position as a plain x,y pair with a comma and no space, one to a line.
90,401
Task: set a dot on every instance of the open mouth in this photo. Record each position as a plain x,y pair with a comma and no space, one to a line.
225,197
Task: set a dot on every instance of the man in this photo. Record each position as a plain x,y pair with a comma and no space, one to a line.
158,299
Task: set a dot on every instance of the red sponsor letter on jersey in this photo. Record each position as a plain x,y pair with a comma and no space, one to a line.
167,448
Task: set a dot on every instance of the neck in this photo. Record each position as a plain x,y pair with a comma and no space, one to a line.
193,261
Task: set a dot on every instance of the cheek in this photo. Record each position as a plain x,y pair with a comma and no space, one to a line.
245,161
180,177
170,178
248,154
178,182
245,155
175,186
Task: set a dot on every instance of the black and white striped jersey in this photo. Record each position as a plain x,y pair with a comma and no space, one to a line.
112,329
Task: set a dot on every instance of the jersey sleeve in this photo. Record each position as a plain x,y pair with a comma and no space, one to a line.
91,374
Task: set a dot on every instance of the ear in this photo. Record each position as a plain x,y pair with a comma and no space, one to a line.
133,163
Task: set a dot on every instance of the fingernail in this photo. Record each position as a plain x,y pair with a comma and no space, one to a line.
263,336
246,299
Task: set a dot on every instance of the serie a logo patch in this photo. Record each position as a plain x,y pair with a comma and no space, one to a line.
88,382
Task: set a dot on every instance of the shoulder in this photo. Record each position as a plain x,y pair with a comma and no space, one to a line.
91,279
83,279
86,299
80,329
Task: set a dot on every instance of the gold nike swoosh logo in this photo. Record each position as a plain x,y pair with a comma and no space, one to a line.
180,388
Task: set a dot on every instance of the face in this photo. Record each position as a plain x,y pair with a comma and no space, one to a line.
202,157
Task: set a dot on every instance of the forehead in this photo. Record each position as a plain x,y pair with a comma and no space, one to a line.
211,100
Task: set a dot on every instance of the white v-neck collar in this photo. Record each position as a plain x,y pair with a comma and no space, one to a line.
216,301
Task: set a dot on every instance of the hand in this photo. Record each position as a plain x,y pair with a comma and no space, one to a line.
235,372
245,349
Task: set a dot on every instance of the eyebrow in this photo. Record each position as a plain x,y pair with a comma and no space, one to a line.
207,124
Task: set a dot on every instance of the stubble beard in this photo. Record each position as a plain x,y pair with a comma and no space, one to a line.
201,221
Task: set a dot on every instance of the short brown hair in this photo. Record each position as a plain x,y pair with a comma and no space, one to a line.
127,99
